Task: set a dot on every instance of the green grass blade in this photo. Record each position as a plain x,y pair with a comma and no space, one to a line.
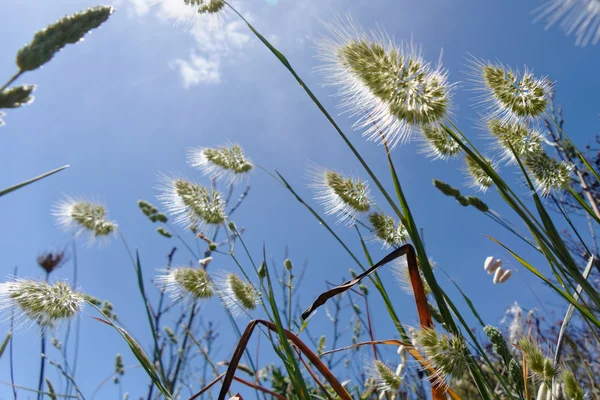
32,180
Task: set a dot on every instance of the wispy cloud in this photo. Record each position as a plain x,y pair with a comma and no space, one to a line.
215,39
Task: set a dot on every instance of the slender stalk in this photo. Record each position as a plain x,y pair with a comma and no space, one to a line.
10,348
11,80
43,358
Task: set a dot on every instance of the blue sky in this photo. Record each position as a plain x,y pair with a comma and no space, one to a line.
127,103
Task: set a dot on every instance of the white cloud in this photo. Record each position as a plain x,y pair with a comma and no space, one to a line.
215,39
197,70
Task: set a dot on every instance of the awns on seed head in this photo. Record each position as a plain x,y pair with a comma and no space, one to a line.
226,162
83,216
185,284
343,196
193,205
390,87
40,302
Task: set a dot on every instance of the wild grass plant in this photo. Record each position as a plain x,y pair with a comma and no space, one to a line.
394,94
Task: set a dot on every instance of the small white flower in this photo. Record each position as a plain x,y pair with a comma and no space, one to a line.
40,302
185,284
509,95
491,264
390,87
501,275
193,206
205,261
579,17
343,196
84,216
226,162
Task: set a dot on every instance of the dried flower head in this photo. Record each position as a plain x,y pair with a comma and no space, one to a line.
438,144
67,30
82,216
238,295
226,162
344,196
40,302
389,86
515,138
579,17
478,177
387,231
185,284
51,260
192,205
447,354
386,380
509,95
548,173
16,96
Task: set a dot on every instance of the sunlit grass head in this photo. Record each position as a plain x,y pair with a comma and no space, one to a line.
437,143
39,302
226,162
191,204
509,95
477,177
445,353
237,295
83,216
515,139
387,231
186,284
386,380
388,86
343,196
548,174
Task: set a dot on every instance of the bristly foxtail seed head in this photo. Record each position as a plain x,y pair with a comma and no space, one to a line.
83,216
510,95
40,302
67,30
186,284
343,196
572,387
226,162
238,295
580,17
386,380
446,354
478,178
515,138
387,231
438,144
192,205
388,86
548,173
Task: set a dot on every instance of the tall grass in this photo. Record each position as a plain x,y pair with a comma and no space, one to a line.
395,94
